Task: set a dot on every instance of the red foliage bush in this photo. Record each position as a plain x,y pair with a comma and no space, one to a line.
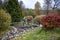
51,21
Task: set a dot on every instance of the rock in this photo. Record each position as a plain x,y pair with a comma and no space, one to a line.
41,25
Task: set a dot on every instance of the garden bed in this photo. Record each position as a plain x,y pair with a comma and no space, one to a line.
40,34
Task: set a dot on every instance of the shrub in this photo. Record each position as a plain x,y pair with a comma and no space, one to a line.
29,17
5,20
38,18
51,21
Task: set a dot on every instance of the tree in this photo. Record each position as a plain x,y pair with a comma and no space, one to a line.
14,10
22,5
30,12
47,5
51,5
0,3
37,8
4,4
56,5
22,8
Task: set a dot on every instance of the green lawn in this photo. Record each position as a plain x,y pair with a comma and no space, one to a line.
40,34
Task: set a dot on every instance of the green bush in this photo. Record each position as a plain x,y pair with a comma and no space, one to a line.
38,18
5,20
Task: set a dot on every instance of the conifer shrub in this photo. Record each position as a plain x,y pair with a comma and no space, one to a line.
5,20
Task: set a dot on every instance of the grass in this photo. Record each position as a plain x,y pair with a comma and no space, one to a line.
40,34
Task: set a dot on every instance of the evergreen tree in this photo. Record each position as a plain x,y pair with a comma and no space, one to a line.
14,9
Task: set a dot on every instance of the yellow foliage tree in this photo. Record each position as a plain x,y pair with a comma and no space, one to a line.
37,8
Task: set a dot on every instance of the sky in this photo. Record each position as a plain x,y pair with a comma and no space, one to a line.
30,3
